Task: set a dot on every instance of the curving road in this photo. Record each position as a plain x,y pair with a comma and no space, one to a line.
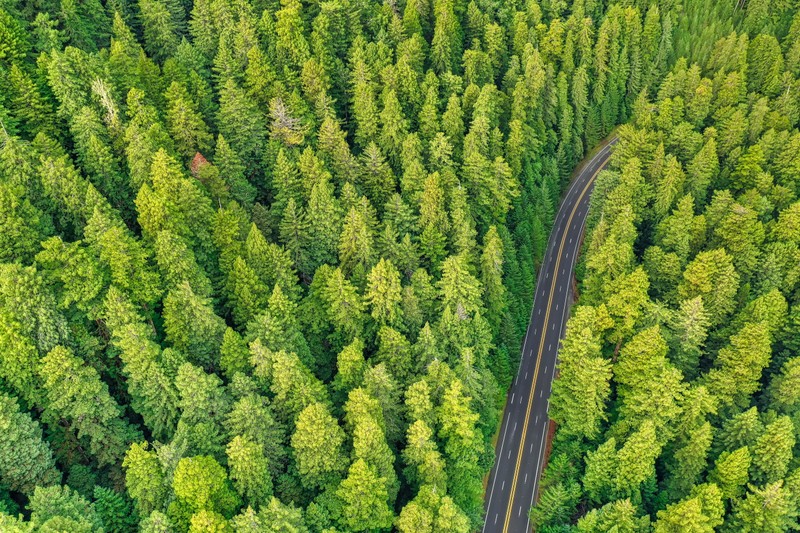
520,447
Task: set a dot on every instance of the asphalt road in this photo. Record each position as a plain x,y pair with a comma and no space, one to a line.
520,446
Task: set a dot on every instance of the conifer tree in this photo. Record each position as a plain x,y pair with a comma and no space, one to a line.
740,365
249,471
730,473
247,295
365,418
459,289
192,326
76,394
186,125
350,366
56,507
242,124
345,304
232,172
178,264
252,419
364,496
384,293
324,224
462,447
765,509
425,465
317,443
772,452
25,459
114,510
376,175
200,483
163,24
584,369
492,277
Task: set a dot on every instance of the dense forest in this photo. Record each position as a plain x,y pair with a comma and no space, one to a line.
266,265
678,401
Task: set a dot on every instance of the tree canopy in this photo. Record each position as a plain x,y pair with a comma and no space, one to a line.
267,266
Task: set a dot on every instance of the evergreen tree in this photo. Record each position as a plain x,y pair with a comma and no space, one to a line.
620,514
492,277
186,125
59,508
345,305
712,276
192,326
460,291
384,293
144,478
163,23
740,365
200,483
585,370
252,419
232,172
247,295
463,445
76,394
363,495
317,443
703,512
293,385
178,265
243,126
324,223
731,472
636,459
114,510
377,177
765,509
772,452
294,247
25,459
249,471
153,393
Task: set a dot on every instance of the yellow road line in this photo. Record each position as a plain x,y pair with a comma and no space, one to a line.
541,346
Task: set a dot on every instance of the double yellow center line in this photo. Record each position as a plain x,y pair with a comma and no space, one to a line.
541,347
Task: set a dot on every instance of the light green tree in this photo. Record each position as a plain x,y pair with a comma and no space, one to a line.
202,484
249,471
768,509
772,452
731,472
384,293
740,364
363,494
25,459
317,444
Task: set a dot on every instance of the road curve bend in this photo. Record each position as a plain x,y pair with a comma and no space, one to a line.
520,447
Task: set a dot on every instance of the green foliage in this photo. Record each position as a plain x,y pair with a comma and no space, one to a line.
58,508
267,266
202,484
578,399
364,497
25,459
676,387
114,510
317,444
249,470
768,509
76,394
144,478
192,326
